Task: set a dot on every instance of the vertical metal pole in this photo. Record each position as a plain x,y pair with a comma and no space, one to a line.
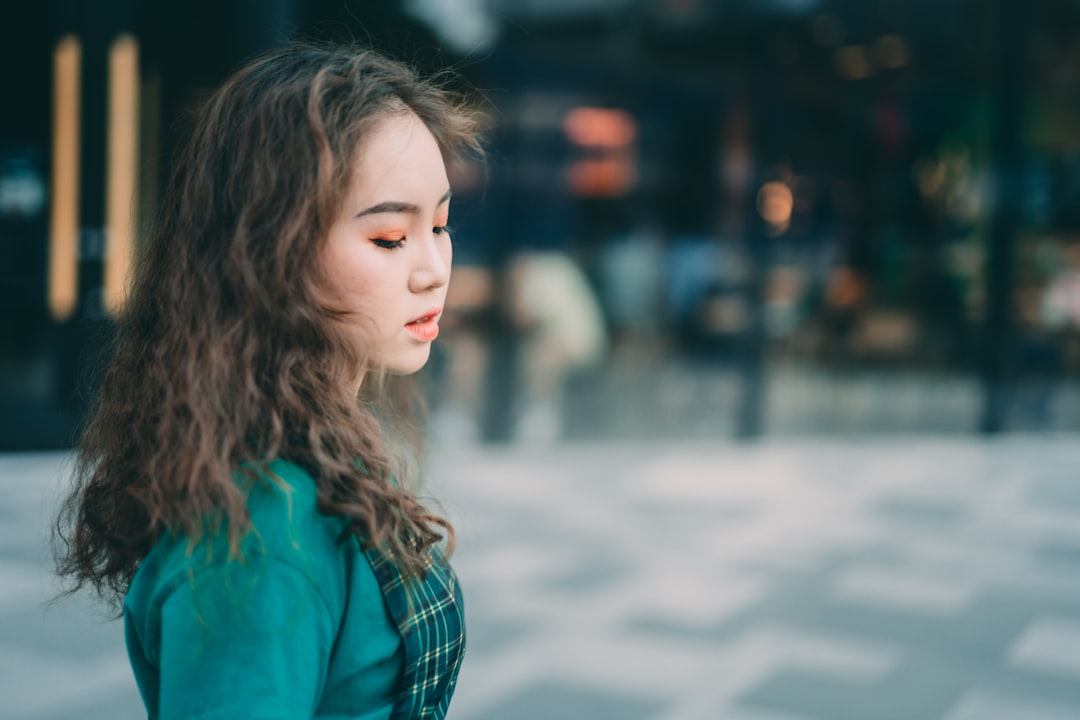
1007,153
498,412
750,421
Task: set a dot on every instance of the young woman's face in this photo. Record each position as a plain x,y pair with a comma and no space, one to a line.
387,257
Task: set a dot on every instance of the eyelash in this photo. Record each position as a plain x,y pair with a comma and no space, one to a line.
386,244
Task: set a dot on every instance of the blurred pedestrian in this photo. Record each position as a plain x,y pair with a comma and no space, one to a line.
562,332
242,488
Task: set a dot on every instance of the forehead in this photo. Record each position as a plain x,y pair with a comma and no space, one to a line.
395,134
397,159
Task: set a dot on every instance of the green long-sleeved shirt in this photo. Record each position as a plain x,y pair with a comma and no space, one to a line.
299,629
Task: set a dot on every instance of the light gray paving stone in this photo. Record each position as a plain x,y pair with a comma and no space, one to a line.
920,513
1063,554
994,705
1049,644
905,589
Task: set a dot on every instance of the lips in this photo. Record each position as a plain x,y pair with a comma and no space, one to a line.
425,327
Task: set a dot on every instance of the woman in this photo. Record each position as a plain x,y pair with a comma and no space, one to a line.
236,488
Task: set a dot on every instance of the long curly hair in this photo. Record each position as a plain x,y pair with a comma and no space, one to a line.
227,354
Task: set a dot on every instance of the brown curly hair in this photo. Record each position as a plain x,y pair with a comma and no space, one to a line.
227,355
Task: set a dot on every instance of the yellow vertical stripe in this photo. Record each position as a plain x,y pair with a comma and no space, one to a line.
64,221
121,168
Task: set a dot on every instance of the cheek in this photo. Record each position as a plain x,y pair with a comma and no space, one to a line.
334,259
350,268
343,283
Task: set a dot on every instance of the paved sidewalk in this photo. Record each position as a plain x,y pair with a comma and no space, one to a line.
887,579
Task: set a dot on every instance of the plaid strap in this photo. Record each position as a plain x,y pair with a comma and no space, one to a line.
430,615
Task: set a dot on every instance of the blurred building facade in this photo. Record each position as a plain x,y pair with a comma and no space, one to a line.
742,192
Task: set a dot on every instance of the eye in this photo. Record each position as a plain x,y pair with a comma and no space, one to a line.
441,230
388,244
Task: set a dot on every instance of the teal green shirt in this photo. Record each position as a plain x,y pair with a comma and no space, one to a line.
299,629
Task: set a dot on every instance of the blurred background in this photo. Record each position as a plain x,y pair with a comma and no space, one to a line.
845,230
715,218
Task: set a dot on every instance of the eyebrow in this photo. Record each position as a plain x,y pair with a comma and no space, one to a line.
399,207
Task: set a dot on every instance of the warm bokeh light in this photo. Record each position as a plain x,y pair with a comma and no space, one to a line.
63,255
601,177
844,288
600,127
775,202
121,168
607,138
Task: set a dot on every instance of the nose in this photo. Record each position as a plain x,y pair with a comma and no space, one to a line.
432,263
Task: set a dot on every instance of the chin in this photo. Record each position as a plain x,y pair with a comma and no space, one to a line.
409,364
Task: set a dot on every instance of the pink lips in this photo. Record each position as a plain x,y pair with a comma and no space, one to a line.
425,328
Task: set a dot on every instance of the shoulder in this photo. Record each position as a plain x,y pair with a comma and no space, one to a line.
286,528
285,519
289,543
284,493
